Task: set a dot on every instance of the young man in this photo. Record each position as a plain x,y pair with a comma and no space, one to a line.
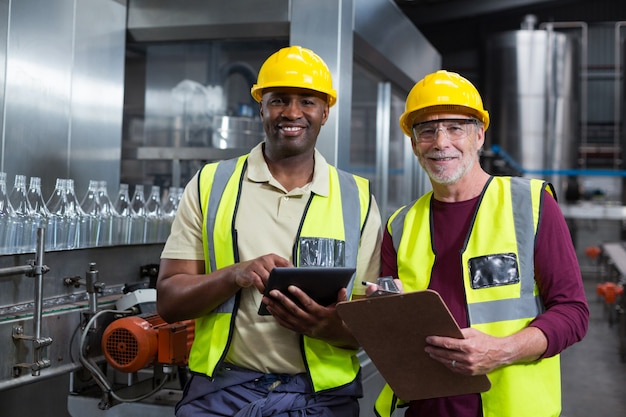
498,251
280,205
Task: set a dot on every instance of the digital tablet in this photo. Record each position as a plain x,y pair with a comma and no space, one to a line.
320,283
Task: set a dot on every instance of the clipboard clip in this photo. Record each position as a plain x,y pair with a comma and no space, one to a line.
386,286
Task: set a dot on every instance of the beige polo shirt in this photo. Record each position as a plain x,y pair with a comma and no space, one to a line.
267,222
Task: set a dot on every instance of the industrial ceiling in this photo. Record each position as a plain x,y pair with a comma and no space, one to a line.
455,25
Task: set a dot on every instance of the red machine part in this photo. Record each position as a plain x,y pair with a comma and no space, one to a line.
135,342
609,291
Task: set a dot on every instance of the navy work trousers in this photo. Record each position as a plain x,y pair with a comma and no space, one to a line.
237,392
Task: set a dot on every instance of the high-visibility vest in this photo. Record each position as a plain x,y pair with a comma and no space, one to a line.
340,217
504,227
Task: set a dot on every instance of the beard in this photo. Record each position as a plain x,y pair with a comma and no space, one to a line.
443,175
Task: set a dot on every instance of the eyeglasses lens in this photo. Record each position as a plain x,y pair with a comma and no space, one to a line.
453,129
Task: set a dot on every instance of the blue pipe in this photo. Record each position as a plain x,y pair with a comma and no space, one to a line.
567,172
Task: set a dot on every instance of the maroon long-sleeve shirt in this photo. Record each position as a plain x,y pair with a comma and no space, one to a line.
557,272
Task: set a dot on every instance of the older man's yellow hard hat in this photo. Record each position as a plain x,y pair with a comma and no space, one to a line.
442,92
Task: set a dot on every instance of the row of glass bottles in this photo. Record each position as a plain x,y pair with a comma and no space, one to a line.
95,221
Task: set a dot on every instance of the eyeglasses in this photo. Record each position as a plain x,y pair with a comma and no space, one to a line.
454,129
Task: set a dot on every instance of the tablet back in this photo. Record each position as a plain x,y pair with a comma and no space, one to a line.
320,283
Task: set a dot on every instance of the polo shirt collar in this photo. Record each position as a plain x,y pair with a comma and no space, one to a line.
258,170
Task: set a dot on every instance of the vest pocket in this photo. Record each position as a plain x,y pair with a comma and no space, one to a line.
494,270
317,251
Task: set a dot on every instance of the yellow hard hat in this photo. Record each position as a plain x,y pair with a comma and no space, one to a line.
295,66
440,92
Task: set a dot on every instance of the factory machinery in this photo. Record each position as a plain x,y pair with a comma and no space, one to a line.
96,335
92,341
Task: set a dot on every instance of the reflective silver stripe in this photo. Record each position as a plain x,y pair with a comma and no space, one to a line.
351,212
528,305
223,173
351,207
397,226
521,197
502,310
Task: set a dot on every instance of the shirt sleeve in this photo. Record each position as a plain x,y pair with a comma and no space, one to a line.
185,239
389,256
559,279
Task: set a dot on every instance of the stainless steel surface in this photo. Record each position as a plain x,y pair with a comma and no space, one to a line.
4,35
379,150
63,90
326,27
183,153
383,136
97,93
237,132
201,19
389,41
532,96
582,96
38,71
593,211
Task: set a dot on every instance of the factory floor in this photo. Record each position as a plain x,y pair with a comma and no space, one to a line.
593,375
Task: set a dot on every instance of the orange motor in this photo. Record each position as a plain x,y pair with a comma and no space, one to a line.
135,342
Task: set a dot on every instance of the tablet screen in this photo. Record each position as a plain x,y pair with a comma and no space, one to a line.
320,283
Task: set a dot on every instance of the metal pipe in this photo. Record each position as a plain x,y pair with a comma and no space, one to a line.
16,270
39,271
91,280
383,115
617,114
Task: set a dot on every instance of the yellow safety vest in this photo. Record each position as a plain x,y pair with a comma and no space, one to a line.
340,217
504,226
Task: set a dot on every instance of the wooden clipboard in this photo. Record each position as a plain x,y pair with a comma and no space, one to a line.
392,330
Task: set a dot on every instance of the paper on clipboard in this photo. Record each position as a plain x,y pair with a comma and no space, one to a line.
392,330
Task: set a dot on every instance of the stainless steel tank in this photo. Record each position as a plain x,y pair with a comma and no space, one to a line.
532,95
231,132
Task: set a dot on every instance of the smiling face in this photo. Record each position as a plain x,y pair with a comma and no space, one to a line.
447,161
292,118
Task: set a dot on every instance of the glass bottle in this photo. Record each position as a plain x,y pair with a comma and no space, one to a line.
123,220
21,224
90,220
153,214
168,212
179,195
5,214
58,222
40,213
108,216
138,216
78,223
